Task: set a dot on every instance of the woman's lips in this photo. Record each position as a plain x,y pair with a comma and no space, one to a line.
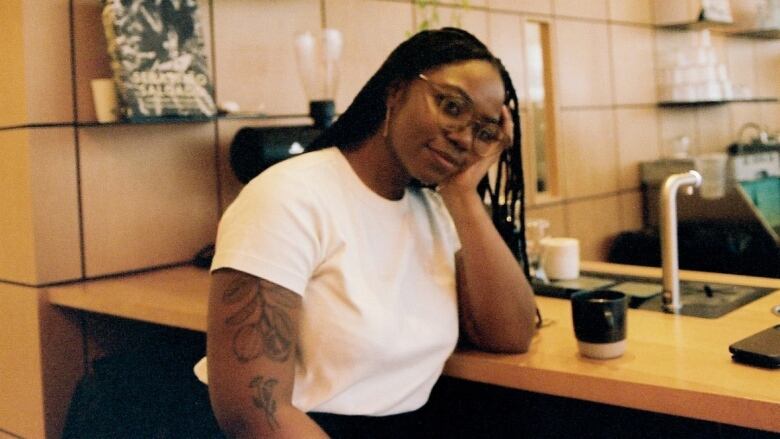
447,161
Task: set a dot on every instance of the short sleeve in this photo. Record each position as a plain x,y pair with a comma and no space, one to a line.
444,218
272,231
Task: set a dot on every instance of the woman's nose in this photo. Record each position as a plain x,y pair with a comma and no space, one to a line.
463,138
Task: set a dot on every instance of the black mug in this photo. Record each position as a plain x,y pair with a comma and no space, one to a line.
599,319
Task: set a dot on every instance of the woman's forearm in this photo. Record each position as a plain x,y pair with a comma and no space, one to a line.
289,423
496,301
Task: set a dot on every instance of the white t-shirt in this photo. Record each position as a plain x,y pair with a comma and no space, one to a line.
377,279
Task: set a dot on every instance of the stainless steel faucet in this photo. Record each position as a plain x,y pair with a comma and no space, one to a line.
669,259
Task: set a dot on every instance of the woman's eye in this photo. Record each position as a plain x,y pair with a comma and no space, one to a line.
453,106
488,133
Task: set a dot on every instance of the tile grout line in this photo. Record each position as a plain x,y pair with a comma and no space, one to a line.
217,161
614,116
76,138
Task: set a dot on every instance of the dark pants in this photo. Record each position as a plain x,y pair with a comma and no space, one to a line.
156,395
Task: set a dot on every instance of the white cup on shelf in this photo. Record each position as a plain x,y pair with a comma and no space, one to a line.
105,100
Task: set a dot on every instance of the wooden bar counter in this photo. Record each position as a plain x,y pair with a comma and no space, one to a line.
677,365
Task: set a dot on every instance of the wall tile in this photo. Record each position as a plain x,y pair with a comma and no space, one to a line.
740,63
633,11
742,113
255,53
367,41
630,210
675,11
533,6
54,184
633,70
581,9
48,62
460,3
582,66
667,40
767,67
770,116
506,42
637,134
149,195
714,130
17,237
744,12
677,122
14,109
21,393
476,22
472,20
554,213
595,222
589,152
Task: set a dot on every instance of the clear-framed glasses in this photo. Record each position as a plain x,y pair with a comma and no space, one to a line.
454,111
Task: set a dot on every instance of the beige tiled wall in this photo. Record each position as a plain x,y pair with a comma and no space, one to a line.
583,69
149,195
40,353
133,197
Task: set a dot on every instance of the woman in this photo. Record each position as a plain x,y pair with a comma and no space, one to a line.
341,277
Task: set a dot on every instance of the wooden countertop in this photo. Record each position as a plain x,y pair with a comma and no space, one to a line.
677,365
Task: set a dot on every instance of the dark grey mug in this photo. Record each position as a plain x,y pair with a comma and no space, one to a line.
599,319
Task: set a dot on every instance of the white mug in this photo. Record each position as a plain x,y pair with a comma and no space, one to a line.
560,258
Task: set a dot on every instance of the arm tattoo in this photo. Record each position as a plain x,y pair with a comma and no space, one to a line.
263,318
264,398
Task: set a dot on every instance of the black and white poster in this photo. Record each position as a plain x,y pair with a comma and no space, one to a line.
158,58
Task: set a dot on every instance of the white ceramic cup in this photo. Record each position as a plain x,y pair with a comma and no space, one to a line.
105,100
560,258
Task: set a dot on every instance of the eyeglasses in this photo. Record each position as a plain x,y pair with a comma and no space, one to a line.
455,111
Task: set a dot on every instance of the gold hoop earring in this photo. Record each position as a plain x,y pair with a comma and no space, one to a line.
387,122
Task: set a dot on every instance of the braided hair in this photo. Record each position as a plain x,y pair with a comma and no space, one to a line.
423,51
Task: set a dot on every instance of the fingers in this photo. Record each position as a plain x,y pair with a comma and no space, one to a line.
508,126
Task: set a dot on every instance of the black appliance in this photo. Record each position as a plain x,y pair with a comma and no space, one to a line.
254,149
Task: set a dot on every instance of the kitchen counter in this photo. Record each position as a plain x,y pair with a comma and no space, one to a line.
676,365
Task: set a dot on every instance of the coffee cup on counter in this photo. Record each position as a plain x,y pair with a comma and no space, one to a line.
560,258
599,319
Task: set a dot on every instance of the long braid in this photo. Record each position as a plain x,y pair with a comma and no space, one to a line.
507,195
515,181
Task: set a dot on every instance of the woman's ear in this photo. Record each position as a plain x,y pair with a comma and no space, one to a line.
396,93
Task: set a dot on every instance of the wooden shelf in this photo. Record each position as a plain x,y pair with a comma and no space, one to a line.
696,25
158,121
671,104
767,34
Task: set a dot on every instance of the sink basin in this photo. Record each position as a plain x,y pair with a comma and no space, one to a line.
709,300
699,299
